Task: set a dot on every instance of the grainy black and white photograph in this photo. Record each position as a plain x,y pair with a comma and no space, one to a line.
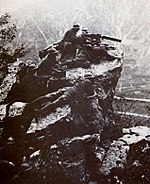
74,92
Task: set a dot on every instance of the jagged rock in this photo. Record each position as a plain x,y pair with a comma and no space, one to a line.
15,71
137,167
9,80
43,122
14,109
71,158
78,142
121,151
16,119
135,134
65,145
2,111
115,157
138,130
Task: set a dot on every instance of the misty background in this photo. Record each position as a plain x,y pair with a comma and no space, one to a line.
42,22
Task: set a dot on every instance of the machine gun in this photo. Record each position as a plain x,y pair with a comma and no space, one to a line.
99,37
111,38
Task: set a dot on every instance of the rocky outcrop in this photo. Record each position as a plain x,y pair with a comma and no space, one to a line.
77,139
71,134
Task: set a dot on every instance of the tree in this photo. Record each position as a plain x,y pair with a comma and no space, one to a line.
9,49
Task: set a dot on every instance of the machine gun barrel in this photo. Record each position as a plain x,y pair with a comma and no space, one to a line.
99,37
111,38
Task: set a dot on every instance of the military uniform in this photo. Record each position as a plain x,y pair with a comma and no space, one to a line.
69,42
82,59
74,96
47,64
84,37
70,35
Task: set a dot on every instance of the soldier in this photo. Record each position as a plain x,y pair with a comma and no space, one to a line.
83,58
71,34
101,52
69,42
48,63
27,68
85,31
85,35
84,38
74,96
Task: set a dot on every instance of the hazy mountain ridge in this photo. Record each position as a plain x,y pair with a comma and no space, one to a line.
44,22
126,19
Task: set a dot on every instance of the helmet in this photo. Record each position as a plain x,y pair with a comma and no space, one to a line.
76,25
88,75
52,51
84,29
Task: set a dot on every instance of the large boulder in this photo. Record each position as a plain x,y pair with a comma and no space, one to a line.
68,144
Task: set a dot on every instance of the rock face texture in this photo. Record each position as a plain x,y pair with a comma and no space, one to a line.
63,129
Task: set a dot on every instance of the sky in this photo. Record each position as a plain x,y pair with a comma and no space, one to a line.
14,5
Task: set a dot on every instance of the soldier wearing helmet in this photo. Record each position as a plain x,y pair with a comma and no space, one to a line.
70,35
70,42
84,37
74,96
48,62
85,31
